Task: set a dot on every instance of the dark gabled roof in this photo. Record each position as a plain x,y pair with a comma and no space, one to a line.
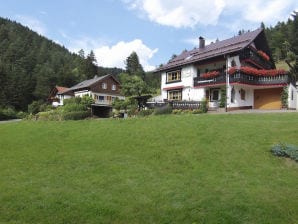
88,83
219,48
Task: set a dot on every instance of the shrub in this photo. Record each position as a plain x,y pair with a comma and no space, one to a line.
70,107
53,115
7,113
144,113
37,106
75,115
163,110
198,111
177,111
204,106
285,150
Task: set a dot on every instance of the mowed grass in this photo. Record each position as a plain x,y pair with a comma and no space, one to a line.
161,169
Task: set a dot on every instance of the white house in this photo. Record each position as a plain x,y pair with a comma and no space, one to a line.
58,94
241,68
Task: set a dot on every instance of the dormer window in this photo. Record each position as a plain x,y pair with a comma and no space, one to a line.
104,85
174,76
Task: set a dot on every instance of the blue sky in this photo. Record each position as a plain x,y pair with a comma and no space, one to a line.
155,29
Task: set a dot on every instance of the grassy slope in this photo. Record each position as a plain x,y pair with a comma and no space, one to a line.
282,65
166,169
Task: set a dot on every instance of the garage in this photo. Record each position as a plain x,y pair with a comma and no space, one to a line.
268,99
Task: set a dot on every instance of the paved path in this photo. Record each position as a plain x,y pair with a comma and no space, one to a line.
10,121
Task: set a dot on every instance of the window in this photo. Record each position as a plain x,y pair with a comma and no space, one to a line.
175,95
233,63
100,98
174,76
113,87
233,95
104,85
292,95
214,95
242,94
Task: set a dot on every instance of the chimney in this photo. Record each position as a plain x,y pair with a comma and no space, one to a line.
201,42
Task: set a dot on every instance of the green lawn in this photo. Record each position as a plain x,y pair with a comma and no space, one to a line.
160,169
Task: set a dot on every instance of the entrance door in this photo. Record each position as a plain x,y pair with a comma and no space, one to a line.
267,98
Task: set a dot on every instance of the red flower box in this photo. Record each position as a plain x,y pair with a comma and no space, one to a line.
209,74
263,55
257,72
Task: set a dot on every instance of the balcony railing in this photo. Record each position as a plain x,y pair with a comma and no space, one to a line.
199,81
103,102
249,54
181,105
243,79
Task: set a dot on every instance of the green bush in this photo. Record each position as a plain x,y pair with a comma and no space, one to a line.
197,111
72,107
7,113
177,111
53,115
285,150
37,106
204,106
75,115
163,110
144,113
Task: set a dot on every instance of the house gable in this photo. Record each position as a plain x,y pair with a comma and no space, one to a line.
107,85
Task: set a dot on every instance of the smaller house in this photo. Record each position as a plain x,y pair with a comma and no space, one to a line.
58,94
104,90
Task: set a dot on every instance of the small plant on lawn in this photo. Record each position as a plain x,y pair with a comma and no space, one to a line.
285,150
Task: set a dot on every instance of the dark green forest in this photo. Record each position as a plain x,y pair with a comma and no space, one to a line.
283,42
31,65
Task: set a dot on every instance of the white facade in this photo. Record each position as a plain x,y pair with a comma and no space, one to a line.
60,98
99,98
189,93
238,95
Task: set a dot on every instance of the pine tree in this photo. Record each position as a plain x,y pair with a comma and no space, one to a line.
133,66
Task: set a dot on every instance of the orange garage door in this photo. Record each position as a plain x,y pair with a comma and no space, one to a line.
267,98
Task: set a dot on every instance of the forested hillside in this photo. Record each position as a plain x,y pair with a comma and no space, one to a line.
283,42
30,65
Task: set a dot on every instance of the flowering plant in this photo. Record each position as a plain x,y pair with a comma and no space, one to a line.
263,55
210,74
257,72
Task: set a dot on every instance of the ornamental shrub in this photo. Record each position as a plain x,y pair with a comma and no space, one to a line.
7,113
204,107
75,115
144,113
285,150
163,110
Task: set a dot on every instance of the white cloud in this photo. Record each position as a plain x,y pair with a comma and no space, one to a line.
189,13
33,23
115,56
180,13
256,11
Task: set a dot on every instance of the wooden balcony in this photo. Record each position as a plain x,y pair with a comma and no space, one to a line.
242,78
251,56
